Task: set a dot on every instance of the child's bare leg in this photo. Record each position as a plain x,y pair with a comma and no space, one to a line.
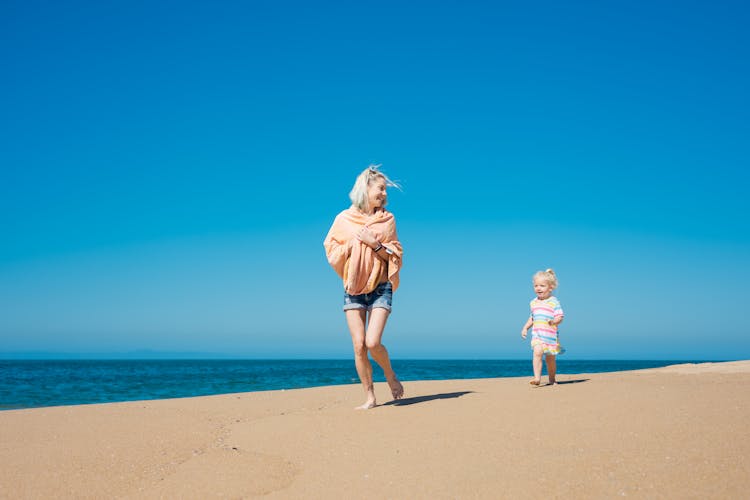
551,368
537,363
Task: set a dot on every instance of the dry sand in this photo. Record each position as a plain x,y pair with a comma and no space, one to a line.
675,432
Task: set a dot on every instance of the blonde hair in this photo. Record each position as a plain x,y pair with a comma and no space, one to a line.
371,174
547,275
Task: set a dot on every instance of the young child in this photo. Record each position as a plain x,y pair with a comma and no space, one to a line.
546,315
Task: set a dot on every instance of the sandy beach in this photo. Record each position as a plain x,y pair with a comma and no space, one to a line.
675,432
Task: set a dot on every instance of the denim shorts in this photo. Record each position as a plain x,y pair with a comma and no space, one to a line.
382,297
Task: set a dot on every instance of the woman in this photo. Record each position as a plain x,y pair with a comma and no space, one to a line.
363,249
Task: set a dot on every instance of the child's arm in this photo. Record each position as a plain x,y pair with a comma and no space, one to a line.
559,315
526,327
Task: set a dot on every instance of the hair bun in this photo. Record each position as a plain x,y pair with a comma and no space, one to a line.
550,271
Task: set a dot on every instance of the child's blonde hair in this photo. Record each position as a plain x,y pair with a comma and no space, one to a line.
358,194
548,275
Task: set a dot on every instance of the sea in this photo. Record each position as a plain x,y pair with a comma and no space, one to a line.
39,383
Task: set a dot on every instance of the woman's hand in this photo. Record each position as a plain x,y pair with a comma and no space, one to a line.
367,237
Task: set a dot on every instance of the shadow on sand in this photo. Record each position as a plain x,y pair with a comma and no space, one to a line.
422,399
576,381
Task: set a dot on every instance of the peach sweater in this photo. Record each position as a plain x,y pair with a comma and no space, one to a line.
354,261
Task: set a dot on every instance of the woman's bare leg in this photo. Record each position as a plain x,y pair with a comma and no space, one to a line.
551,368
355,319
375,327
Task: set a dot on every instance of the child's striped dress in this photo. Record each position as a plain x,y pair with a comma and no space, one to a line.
542,333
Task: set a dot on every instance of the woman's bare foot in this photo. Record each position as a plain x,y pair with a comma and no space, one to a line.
396,388
368,405
535,382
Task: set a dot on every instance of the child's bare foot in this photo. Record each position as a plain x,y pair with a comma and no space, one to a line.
368,405
396,388
534,382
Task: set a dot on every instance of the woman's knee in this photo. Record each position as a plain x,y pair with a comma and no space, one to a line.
360,350
372,344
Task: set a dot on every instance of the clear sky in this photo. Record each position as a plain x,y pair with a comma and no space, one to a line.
170,169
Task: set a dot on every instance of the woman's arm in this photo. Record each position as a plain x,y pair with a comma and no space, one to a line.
338,246
368,238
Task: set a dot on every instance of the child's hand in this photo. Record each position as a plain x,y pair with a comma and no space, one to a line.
523,334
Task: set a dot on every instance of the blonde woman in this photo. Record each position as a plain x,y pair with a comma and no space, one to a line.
363,248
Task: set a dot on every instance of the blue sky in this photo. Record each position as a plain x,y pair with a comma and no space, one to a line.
169,171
